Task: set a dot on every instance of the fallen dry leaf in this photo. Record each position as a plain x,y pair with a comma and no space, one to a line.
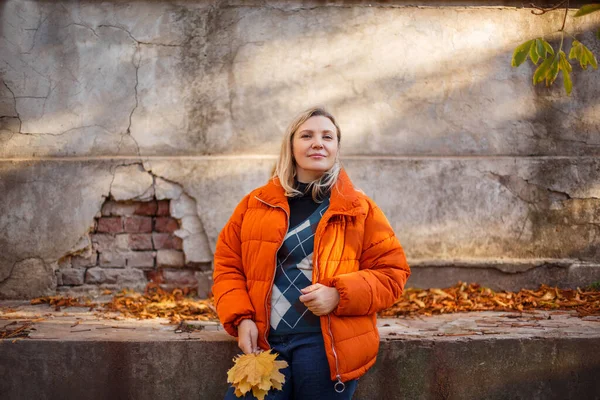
63,301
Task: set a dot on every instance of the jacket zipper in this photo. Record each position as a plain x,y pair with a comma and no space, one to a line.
339,385
268,298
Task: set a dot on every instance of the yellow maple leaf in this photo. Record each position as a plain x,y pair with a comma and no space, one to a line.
259,393
256,372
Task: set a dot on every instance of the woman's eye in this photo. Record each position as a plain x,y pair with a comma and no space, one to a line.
328,137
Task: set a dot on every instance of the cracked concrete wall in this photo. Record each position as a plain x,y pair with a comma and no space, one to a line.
473,166
187,77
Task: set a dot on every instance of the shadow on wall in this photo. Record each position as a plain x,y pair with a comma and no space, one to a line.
254,67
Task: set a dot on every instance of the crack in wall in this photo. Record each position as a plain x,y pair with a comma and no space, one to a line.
531,193
114,173
36,30
136,61
136,40
15,100
12,268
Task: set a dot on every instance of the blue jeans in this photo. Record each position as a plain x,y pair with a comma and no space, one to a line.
307,374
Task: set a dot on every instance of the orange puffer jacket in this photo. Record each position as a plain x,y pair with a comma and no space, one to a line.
355,251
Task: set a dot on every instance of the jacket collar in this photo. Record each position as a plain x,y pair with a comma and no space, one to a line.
344,197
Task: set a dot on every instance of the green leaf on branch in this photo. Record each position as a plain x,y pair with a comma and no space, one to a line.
587,9
547,46
540,48
575,52
533,53
583,55
541,71
520,54
548,71
565,65
552,73
566,69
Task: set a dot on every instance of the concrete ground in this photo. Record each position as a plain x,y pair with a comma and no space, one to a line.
77,353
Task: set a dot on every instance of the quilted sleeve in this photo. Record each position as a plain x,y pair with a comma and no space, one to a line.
229,281
383,270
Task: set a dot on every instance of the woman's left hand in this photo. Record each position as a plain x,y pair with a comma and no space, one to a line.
320,299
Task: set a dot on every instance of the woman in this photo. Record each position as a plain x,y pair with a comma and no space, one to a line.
305,263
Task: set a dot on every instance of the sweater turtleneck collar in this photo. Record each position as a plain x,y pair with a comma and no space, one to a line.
302,187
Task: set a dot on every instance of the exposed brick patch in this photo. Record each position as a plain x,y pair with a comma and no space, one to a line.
166,241
110,224
163,208
146,208
166,224
140,241
138,224
133,243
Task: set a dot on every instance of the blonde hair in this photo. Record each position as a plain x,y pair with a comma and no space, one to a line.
285,169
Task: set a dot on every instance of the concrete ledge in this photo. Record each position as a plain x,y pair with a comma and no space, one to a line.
491,355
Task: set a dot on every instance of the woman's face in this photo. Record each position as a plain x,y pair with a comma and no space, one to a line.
315,147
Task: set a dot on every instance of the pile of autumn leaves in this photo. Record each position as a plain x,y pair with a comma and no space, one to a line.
464,297
181,305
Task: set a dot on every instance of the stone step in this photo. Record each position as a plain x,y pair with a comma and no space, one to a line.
75,353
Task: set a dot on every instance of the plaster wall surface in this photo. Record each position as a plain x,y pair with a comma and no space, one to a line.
473,166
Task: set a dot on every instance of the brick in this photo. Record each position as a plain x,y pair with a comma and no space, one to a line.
146,208
125,276
112,259
118,208
166,241
163,208
180,277
140,241
138,224
110,225
140,259
107,242
73,276
170,258
79,261
155,275
165,224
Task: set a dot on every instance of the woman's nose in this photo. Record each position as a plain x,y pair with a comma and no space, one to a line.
317,144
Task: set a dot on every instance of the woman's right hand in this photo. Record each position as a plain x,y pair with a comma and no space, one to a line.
247,336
